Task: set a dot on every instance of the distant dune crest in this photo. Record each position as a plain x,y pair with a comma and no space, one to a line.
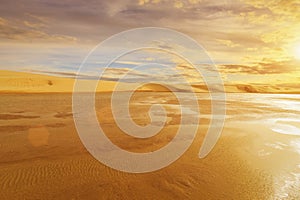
21,82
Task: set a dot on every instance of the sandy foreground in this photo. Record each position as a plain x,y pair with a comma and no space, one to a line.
42,157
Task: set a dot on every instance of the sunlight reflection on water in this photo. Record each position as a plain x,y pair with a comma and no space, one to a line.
280,113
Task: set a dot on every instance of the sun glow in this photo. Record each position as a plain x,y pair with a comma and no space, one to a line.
297,51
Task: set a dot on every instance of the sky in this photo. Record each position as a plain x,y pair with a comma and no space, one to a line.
250,41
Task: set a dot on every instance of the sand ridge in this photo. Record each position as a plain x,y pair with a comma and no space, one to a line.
24,82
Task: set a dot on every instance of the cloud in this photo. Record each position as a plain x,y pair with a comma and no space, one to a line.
234,32
228,43
178,4
277,22
34,25
29,32
266,66
63,74
2,21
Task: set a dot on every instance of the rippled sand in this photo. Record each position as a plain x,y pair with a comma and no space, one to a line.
42,157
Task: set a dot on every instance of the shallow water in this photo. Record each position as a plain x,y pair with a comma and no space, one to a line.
278,114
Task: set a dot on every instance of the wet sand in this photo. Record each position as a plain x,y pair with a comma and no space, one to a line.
42,157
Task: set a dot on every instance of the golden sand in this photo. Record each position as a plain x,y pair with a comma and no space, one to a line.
42,157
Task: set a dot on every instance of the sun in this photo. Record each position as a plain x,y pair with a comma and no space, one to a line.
297,51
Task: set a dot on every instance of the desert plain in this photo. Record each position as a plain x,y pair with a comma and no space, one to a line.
42,156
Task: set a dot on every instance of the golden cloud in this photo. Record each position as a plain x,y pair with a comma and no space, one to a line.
2,21
28,32
228,43
266,66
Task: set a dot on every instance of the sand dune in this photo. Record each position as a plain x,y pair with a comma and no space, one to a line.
22,82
